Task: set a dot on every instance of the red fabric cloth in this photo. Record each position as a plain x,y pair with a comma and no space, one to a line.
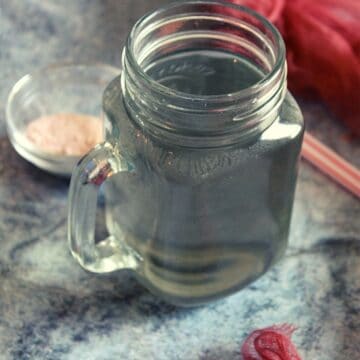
323,49
272,343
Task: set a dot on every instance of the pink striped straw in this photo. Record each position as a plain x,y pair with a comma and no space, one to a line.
331,164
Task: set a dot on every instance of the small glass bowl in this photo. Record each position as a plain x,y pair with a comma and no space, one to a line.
54,89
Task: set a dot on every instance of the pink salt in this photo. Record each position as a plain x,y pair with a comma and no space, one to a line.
65,133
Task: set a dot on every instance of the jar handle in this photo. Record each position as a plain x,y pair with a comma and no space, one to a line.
93,170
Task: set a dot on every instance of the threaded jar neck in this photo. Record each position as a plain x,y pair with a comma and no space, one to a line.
203,116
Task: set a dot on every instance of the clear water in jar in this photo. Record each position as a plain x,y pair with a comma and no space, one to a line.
205,222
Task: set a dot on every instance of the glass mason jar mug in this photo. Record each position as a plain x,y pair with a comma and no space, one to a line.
200,158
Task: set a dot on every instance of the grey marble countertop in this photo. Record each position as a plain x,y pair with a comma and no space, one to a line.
51,309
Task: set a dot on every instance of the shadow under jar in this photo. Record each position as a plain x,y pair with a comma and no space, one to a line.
200,159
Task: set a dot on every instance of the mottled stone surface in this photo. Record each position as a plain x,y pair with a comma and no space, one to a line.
52,309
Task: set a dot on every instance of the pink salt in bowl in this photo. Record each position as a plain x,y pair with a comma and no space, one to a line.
52,114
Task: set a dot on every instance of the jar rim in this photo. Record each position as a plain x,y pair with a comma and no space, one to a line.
243,93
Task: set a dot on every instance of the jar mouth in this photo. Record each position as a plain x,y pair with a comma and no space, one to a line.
170,13
239,49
